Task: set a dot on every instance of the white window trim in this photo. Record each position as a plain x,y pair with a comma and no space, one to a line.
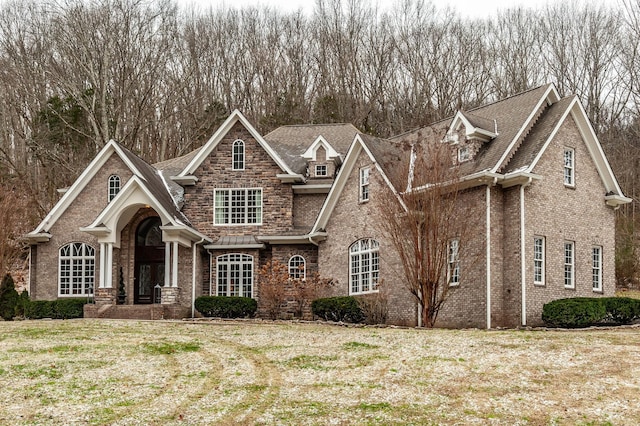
322,166
569,170
239,143
293,269
373,275
225,259
596,269
246,207
365,177
462,149
569,266
541,260
113,189
453,262
84,260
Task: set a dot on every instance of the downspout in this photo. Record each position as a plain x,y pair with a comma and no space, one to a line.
488,253
523,265
193,279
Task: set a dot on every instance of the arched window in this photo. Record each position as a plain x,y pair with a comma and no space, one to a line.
364,261
238,155
76,271
114,186
297,268
235,275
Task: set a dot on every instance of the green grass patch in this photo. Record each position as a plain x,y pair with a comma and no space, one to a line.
312,362
170,348
374,407
358,345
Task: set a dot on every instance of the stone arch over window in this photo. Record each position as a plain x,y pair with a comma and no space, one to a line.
114,186
364,266
297,267
238,155
234,272
76,269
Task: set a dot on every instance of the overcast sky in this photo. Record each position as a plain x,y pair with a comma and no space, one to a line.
467,8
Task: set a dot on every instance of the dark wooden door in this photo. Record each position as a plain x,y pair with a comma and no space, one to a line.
149,264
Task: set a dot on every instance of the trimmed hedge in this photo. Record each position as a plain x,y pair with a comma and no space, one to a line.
586,311
622,310
56,309
339,309
226,307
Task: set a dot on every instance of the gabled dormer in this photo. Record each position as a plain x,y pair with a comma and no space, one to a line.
467,133
322,159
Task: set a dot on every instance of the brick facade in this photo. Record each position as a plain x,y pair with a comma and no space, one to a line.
492,210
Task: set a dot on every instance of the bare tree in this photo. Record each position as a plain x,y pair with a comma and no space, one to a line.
428,226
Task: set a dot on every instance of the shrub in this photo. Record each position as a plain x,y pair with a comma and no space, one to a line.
374,307
23,303
8,298
622,310
226,307
37,309
345,309
575,312
56,309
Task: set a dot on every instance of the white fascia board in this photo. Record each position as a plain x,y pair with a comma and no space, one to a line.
550,96
310,153
208,148
290,178
320,188
182,234
189,180
40,237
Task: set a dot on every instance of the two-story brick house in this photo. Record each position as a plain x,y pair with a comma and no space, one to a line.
306,195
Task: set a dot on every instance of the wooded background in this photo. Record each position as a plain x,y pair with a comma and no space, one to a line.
159,79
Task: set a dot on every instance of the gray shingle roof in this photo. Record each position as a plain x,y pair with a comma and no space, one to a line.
290,142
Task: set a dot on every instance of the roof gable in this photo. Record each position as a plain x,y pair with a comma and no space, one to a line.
235,117
358,146
573,107
310,153
89,172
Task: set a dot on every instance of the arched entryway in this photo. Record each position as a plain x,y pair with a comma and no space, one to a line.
149,260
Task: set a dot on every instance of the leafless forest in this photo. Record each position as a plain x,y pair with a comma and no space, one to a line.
160,78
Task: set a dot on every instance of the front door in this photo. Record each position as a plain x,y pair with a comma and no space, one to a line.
149,265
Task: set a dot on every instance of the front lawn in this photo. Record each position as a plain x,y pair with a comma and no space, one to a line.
130,372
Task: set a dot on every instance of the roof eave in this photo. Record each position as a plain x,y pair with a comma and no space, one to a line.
616,200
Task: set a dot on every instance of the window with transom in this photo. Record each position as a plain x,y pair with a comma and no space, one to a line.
538,260
114,187
76,270
364,266
569,264
453,262
569,167
364,184
297,268
238,155
234,275
596,268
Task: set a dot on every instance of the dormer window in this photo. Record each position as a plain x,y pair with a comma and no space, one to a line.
321,170
238,155
463,154
114,187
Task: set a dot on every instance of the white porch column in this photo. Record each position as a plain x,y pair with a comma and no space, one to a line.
167,264
109,266
174,267
103,276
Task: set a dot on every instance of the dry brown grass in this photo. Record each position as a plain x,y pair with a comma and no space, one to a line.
130,372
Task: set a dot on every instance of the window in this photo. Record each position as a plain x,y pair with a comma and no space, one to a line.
364,184
321,170
569,167
238,206
596,270
235,275
453,260
76,269
364,266
538,260
463,154
569,265
238,155
114,186
297,268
